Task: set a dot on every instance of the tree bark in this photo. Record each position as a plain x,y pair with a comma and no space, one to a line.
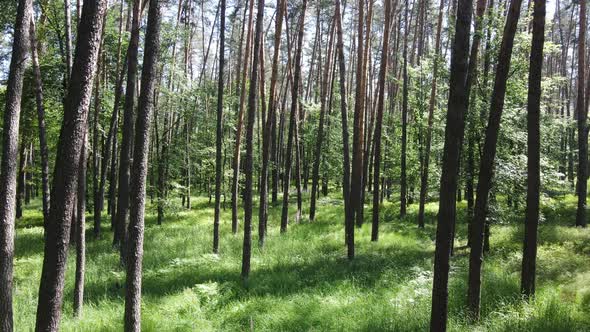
455,126
379,120
248,163
8,167
139,169
219,128
65,182
529,251
293,123
127,135
582,113
487,160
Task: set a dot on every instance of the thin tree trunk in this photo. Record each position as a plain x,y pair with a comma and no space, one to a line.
455,126
79,225
219,133
127,135
582,113
487,160
431,106
248,163
268,140
379,121
139,169
403,179
320,134
236,160
349,221
293,123
529,251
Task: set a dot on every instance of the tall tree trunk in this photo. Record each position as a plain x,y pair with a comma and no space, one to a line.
40,122
80,224
403,179
68,36
320,134
529,251
139,169
219,133
248,163
8,167
582,113
349,221
455,126
66,172
379,121
270,124
236,161
293,118
487,159
431,106
127,135
358,130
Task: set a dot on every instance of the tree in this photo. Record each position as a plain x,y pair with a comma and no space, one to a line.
139,170
219,132
379,121
450,165
236,161
8,167
487,159
582,113
403,178
529,251
41,123
349,226
292,135
431,106
67,169
80,232
248,167
119,235
269,127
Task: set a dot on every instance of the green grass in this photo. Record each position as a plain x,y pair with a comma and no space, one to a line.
302,281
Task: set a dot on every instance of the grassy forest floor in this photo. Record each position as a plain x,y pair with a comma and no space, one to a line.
302,281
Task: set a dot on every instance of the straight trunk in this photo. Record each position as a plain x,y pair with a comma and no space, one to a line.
529,251
139,169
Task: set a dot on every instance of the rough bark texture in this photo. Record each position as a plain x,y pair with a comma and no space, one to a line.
65,182
487,160
139,169
8,167
529,251
127,135
450,165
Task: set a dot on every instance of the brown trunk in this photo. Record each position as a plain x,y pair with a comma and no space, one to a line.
139,170
65,182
